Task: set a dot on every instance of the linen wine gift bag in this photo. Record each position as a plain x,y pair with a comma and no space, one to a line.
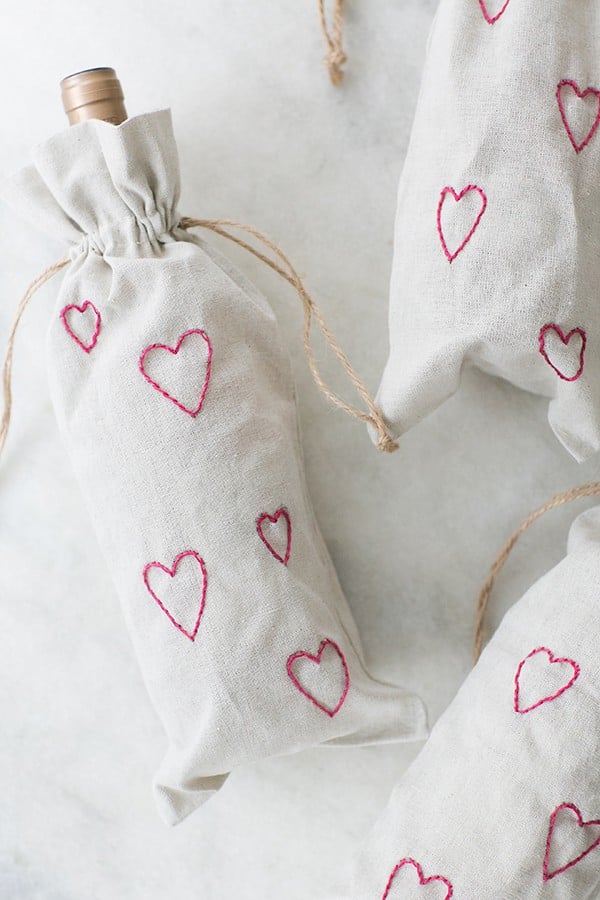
496,260
503,802
174,397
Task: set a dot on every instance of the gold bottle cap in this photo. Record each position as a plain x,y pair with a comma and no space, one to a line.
93,94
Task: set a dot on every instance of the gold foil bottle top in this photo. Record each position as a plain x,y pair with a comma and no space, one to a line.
93,94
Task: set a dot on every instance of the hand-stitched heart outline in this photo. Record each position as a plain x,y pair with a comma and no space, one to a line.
87,304
486,15
282,512
581,95
174,351
171,573
458,197
593,822
304,654
422,880
552,660
565,338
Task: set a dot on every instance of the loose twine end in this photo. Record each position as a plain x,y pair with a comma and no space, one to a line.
334,61
386,443
335,58
591,489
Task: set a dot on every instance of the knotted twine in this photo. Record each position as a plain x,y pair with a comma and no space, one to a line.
282,265
335,58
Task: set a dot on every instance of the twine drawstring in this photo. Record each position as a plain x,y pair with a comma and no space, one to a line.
591,489
335,58
286,270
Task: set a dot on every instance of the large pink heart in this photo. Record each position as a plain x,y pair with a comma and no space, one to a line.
579,823
199,599
571,674
433,879
576,333
200,374
470,227
281,553
82,324
570,85
302,654
492,18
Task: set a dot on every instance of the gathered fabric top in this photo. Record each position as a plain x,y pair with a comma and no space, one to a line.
128,208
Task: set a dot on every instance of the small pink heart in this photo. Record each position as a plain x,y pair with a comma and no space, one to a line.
570,673
573,825
190,377
569,86
300,680
433,879
487,15
279,544
569,367
466,227
82,324
194,582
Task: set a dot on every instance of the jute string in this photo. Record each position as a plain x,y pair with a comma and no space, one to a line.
286,270
335,57
591,489
7,368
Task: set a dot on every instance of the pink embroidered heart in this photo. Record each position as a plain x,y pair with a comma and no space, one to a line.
184,588
560,671
82,324
276,534
446,890
582,116
582,837
566,358
184,381
462,218
484,4
331,677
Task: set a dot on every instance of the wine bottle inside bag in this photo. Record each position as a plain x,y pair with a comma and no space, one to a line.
174,397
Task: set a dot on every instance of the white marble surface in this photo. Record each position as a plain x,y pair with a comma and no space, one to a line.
264,139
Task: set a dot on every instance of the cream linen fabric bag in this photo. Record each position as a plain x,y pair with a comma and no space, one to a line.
503,803
175,401
496,260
